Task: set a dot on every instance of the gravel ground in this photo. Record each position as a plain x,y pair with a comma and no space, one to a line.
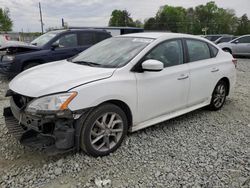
199,149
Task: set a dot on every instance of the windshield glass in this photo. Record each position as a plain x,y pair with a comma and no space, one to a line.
113,52
43,39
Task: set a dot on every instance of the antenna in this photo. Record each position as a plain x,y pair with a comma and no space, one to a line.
41,16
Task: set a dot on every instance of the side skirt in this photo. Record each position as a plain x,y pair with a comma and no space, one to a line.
168,116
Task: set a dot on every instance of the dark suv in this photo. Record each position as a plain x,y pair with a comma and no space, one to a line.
52,46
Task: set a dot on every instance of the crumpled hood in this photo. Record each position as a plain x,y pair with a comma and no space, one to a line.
56,77
18,44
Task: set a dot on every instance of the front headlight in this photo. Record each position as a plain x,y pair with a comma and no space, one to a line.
51,103
8,58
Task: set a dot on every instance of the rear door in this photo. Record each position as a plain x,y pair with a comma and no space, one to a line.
204,71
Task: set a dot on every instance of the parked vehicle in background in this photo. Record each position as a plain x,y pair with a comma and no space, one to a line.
224,39
237,47
213,37
52,46
114,31
3,39
125,83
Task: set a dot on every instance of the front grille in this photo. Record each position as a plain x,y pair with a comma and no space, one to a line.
21,101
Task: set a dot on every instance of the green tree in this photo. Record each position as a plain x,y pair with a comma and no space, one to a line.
5,20
243,25
172,19
138,23
150,24
121,18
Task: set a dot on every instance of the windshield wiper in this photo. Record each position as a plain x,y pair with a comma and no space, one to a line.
92,64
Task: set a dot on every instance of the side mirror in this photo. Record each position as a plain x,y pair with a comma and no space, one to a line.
152,65
54,46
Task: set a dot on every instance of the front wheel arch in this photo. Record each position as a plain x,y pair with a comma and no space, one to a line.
28,62
227,50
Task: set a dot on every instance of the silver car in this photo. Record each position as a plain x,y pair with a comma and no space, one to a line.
239,46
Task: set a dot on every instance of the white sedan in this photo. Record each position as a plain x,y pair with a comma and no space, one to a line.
125,83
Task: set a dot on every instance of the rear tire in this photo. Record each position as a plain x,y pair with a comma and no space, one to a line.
103,131
30,65
219,96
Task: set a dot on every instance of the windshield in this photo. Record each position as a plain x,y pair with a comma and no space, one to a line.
113,52
43,39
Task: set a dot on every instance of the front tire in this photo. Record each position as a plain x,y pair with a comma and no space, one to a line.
219,96
104,130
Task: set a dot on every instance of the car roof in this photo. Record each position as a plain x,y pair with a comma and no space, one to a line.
66,30
158,35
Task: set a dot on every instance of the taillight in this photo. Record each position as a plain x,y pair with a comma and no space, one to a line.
235,62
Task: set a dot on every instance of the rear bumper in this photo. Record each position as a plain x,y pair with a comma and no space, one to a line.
51,135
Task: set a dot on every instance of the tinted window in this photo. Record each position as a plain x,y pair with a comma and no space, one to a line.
67,41
197,50
214,50
101,36
85,38
170,53
244,40
225,39
212,37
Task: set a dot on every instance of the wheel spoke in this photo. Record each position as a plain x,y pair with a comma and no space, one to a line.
100,125
100,146
104,118
115,122
111,120
106,140
116,130
97,139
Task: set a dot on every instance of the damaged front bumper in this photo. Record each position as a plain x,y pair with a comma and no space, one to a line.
50,133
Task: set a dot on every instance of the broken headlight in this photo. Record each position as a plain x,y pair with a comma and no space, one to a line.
8,58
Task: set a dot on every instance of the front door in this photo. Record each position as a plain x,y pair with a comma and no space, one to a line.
166,91
242,47
67,47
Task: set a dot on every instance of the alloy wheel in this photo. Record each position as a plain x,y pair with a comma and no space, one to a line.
106,131
219,95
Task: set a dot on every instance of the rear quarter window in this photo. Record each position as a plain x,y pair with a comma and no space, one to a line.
214,50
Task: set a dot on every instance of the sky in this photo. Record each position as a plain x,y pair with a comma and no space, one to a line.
25,13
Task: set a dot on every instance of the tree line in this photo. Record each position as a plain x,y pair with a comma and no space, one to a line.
5,21
201,19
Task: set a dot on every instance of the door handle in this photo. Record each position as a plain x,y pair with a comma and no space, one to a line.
183,77
215,70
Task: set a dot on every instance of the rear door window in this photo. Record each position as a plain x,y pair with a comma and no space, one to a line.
85,38
197,50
